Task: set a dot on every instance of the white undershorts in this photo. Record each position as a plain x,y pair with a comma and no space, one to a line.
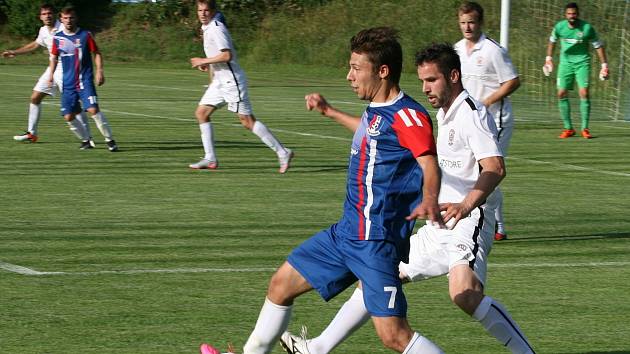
433,252
235,96
43,86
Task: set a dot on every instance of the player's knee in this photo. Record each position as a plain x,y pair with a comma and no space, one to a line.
280,291
466,299
247,121
562,94
202,114
393,340
37,97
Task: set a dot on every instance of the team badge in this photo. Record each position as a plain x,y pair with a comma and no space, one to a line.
451,137
77,42
480,61
375,125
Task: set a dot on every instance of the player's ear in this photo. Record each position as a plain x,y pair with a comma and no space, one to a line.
455,76
383,71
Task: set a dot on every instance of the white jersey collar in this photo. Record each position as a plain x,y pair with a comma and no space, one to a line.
442,117
388,103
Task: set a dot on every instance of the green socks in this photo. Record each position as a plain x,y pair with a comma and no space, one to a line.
565,112
585,111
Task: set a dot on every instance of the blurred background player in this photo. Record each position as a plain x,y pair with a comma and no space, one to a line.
574,35
75,46
42,88
490,77
471,166
393,177
228,86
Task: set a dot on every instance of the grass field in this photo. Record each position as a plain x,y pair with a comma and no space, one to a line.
132,252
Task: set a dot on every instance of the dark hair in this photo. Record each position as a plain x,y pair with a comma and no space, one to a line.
68,9
381,46
471,6
572,5
46,6
212,4
442,54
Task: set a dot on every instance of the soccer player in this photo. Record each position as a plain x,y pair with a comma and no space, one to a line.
42,88
386,192
228,86
574,35
489,76
472,166
75,46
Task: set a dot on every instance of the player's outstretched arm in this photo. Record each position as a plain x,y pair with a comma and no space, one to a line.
429,208
317,102
492,172
22,50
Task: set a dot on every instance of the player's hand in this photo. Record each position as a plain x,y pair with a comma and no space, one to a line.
8,54
197,62
51,81
428,210
453,213
548,67
100,78
315,101
204,68
603,73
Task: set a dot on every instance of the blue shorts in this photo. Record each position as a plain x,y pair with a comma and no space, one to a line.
70,99
331,263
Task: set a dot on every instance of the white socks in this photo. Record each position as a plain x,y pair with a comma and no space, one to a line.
34,112
265,135
498,212
272,322
350,317
498,322
84,120
103,125
77,128
207,139
421,345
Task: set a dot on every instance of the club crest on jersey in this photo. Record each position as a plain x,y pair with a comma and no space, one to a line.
480,60
373,129
451,137
77,42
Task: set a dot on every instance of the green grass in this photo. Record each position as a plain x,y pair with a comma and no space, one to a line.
98,216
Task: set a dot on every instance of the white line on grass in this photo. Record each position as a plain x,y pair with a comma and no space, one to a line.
573,167
28,271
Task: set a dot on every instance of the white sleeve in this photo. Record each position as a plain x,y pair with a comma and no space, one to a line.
220,36
40,37
481,133
503,66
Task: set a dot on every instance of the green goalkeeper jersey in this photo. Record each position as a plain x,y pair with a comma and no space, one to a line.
574,41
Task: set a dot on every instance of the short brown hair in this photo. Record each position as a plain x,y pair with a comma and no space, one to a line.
68,9
471,6
212,4
381,46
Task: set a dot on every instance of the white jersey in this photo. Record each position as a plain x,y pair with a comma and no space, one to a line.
215,39
466,134
45,36
483,71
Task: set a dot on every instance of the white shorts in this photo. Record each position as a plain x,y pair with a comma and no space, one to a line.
433,252
43,86
235,96
505,135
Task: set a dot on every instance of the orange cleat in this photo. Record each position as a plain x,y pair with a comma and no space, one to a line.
567,133
500,237
586,134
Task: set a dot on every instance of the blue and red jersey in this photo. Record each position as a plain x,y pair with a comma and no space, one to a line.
384,182
75,55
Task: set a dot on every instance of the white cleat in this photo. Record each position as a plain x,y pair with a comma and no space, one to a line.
285,161
204,164
293,344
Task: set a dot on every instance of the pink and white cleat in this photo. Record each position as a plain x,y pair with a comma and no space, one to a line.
285,161
208,349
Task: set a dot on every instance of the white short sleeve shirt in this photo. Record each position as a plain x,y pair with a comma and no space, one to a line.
215,39
466,134
483,70
45,36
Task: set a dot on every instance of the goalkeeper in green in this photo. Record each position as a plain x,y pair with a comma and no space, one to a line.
574,36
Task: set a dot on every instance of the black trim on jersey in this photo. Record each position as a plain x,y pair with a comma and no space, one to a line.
493,41
514,327
216,23
500,127
475,237
238,87
471,103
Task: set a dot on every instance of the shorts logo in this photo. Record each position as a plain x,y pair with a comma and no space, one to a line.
373,129
462,247
451,137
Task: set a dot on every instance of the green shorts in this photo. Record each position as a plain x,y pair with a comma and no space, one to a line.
570,72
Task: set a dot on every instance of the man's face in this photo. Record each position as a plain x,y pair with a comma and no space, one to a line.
470,26
363,80
204,13
434,84
571,15
69,20
47,17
